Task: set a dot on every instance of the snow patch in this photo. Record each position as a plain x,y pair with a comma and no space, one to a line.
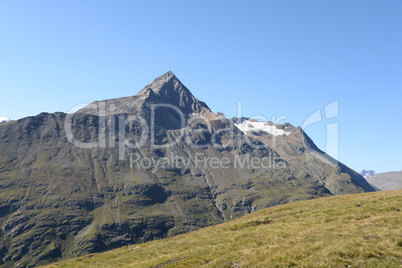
4,119
263,126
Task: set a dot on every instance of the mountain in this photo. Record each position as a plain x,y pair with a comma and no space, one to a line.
144,167
300,152
367,173
387,181
4,119
357,230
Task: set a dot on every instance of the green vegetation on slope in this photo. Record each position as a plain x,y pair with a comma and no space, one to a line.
360,230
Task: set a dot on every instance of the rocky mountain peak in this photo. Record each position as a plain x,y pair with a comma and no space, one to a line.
367,173
60,198
165,78
166,83
165,89
169,89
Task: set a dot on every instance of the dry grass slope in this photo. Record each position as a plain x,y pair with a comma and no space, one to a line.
360,230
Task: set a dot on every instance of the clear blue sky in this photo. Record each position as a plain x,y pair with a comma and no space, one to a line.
278,57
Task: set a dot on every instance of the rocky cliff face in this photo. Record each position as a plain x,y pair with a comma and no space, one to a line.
134,169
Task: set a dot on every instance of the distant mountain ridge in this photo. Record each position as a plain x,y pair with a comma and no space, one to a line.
4,119
367,173
387,181
138,168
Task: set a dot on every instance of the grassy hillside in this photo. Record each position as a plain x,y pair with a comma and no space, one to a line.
360,230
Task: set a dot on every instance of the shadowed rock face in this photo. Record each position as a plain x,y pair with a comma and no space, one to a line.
58,200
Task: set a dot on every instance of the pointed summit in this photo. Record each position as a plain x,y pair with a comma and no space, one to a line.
160,80
169,89
165,89
164,78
